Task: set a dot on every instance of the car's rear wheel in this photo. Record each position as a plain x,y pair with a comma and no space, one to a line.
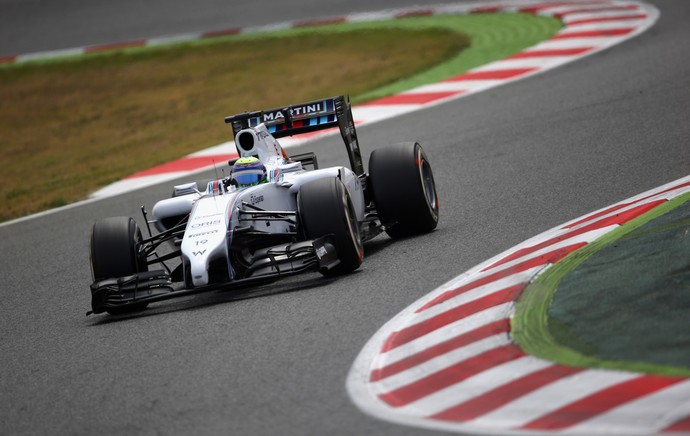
403,189
325,208
115,253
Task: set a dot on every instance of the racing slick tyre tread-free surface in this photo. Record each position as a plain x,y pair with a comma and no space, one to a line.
114,253
325,208
403,188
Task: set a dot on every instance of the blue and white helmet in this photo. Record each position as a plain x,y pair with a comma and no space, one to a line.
248,171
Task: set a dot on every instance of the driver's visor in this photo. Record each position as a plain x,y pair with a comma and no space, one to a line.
248,177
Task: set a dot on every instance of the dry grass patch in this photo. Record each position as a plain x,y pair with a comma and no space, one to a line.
69,128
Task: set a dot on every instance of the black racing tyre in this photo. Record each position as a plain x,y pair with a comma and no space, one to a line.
114,245
325,207
403,189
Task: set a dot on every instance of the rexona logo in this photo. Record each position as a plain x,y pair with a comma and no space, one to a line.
296,111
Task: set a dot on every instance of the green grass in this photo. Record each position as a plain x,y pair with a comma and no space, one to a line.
549,338
70,126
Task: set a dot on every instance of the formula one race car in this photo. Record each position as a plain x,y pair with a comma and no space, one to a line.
272,217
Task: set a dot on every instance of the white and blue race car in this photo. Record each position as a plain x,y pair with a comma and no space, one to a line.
273,216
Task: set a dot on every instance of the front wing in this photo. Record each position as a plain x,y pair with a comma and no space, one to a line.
269,264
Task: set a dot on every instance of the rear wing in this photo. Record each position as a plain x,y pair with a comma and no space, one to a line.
307,117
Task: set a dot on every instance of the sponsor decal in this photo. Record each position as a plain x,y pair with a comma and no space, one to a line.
272,116
262,134
304,110
296,111
321,252
207,216
196,235
275,176
206,224
254,199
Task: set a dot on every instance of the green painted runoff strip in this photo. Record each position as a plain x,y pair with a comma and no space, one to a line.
532,328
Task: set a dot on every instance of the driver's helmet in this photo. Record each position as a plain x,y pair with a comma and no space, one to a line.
248,171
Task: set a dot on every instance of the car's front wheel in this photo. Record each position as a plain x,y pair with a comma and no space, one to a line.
325,208
115,253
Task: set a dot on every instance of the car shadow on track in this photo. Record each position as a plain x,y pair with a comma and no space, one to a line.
201,301
298,283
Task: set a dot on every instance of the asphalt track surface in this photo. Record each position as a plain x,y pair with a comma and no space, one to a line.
38,25
509,163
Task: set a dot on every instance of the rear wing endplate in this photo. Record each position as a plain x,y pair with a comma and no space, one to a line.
307,117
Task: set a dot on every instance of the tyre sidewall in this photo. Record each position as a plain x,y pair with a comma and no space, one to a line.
325,207
399,175
114,246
